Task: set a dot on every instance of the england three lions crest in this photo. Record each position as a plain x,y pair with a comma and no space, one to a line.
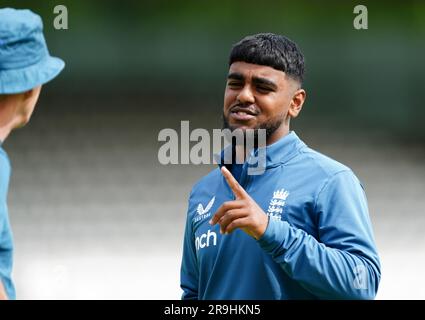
277,203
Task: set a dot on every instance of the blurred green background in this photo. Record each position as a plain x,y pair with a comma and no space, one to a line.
177,50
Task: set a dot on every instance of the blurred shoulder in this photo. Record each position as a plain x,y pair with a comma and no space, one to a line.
4,172
206,181
323,163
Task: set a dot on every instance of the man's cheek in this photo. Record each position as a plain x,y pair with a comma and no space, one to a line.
230,96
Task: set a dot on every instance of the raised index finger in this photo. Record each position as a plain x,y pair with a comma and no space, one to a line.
237,189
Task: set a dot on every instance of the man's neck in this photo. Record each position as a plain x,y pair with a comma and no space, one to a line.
278,134
4,133
242,152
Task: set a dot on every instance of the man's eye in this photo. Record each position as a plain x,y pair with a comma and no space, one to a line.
264,89
234,84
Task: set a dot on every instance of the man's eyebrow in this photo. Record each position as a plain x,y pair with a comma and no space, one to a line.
235,76
265,81
255,80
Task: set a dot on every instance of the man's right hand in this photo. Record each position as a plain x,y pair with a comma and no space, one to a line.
3,295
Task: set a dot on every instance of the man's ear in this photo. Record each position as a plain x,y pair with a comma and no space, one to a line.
297,102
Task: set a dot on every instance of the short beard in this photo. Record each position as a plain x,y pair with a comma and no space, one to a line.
270,126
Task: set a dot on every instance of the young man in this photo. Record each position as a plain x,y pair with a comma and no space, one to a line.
25,65
300,230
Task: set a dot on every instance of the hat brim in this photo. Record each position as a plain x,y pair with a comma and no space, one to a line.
21,80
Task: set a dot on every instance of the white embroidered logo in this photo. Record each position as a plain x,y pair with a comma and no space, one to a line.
276,204
201,209
203,212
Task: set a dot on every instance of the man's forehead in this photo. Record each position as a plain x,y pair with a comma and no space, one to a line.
255,70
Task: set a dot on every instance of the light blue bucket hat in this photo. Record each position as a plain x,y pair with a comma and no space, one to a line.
25,62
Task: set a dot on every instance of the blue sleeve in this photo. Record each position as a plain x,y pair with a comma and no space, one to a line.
6,244
343,262
6,251
189,273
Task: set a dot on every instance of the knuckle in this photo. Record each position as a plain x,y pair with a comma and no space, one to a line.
226,205
230,214
251,206
231,226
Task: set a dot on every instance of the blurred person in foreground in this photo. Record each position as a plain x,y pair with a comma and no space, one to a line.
299,230
25,65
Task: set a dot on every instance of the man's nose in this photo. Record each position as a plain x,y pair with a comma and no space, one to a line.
245,95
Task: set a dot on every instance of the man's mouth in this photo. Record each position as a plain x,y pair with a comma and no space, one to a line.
243,113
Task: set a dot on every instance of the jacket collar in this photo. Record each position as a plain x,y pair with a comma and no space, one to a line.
276,153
